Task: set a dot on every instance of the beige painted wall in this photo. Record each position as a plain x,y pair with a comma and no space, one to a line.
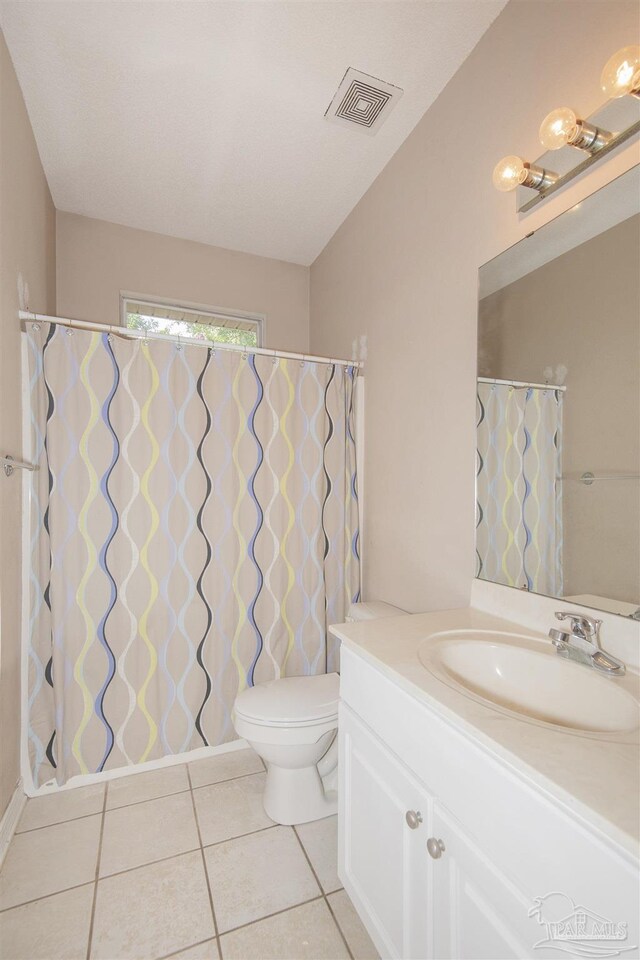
27,250
96,260
403,270
583,310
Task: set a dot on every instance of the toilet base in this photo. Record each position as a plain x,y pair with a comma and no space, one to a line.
297,795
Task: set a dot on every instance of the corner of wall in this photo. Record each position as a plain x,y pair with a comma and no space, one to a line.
27,277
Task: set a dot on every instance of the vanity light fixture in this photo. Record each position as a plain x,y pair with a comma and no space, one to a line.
512,172
562,127
621,74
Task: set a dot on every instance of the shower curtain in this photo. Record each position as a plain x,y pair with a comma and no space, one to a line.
194,529
518,493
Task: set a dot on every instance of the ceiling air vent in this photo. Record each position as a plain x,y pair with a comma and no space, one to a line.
362,102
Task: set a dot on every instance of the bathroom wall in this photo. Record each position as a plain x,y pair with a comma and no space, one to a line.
96,260
403,270
27,257
583,310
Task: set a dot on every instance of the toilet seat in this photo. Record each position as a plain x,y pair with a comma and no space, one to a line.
291,702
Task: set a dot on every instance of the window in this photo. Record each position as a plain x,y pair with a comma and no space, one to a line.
190,323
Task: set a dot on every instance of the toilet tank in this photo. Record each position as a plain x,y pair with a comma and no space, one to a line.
372,610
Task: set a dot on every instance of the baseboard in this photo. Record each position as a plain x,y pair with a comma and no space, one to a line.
10,819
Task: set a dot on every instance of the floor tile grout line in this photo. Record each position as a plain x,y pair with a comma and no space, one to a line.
242,776
46,896
325,896
307,858
97,874
133,803
59,823
276,913
191,946
204,867
251,833
150,863
337,923
136,803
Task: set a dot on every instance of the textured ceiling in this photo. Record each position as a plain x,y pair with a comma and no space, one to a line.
205,120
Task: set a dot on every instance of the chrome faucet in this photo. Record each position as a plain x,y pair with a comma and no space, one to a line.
582,644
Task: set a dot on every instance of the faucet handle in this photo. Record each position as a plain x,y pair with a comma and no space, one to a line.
581,625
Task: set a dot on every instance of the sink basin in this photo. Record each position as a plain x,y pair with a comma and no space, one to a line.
526,678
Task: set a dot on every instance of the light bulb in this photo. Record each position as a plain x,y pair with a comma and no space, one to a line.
621,73
508,173
562,127
513,171
558,128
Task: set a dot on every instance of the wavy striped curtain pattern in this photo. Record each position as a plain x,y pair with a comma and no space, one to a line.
518,496
194,528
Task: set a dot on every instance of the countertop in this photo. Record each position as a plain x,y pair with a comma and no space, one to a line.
597,778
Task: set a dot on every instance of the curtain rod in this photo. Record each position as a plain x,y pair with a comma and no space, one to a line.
522,383
27,316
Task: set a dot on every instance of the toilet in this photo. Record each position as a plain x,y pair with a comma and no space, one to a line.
292,724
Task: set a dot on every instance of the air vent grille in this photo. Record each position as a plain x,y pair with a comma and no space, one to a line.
362,101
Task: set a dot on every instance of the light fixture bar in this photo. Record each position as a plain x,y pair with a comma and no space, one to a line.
588,162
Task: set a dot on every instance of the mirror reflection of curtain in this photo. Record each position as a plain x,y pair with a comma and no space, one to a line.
194,528
518,495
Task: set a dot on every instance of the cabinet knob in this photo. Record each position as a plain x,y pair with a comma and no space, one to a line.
413,818
435,847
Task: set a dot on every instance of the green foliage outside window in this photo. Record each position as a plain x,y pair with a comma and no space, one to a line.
192,331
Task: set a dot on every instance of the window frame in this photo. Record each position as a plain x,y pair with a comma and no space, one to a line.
223,313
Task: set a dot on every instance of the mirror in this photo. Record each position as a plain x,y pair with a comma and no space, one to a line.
558,425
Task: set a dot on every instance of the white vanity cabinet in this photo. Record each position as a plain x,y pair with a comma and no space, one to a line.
447,903
444,850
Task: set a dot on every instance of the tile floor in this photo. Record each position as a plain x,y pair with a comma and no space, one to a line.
181,862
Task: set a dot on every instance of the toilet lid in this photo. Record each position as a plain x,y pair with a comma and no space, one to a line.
291,700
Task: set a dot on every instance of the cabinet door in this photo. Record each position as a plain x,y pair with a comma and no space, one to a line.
383,862
479,914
